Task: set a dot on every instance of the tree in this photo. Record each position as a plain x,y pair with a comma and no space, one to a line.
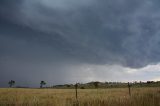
11,83
42,83
96,84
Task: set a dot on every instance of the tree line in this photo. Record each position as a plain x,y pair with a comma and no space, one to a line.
94,84
42,83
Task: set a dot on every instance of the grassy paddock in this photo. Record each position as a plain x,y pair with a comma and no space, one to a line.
86,97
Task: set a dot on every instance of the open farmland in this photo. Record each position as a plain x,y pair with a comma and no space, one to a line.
86,97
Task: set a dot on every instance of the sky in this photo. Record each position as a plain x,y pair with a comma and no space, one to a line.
69,41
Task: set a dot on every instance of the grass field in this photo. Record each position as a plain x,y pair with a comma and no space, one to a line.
86,97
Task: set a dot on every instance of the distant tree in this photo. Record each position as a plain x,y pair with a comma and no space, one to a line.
42,83
106,83
11,83
82,87
140,83
96,84
68,85
149,82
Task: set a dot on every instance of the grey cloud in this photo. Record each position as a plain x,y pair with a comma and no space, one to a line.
95,28
103,31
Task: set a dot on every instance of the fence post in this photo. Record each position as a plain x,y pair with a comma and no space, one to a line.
129,87
76,86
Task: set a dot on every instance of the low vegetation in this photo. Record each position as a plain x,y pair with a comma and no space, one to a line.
145,96
103,85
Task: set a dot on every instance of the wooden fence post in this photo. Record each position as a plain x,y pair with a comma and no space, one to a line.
129,87
76,86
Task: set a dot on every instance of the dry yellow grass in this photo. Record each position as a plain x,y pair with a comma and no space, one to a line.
86,97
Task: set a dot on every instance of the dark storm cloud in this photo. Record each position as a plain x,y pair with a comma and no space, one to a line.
57,33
